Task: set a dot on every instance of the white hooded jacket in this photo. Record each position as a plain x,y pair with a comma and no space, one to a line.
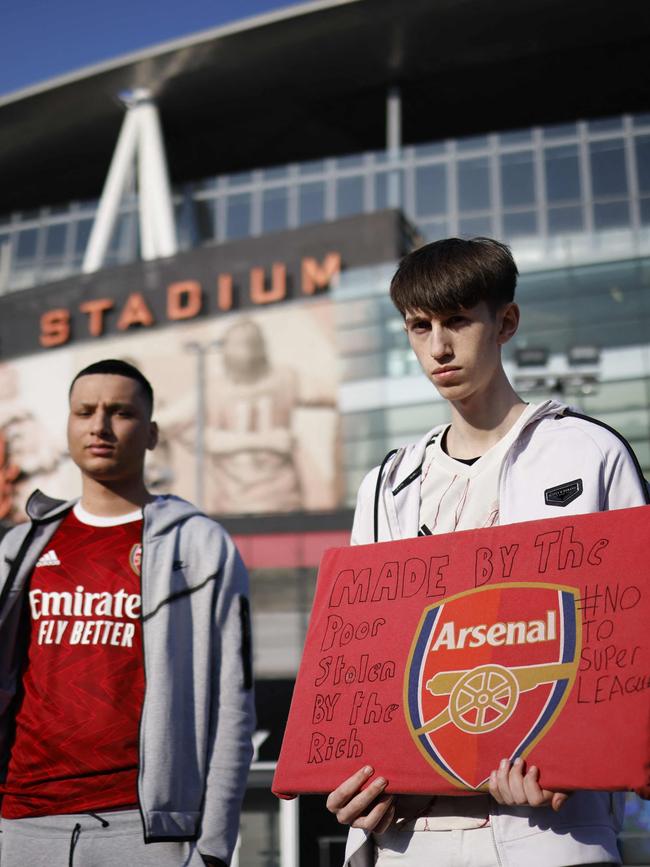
557,450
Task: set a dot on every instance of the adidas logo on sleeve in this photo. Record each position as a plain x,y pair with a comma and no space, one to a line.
48,559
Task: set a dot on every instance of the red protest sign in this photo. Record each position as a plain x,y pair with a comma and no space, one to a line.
433,658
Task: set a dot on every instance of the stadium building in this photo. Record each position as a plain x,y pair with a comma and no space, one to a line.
226,211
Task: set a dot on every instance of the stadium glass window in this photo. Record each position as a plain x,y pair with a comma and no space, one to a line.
204,211
311,202
349,196
124,240
184,220
431,189
642,148
608,176
401,362
472,227
519,223
431,149
25,248
644,207
238,216
605,124
55,240
473,184
274,209
381,191
562,173
59,209
568,218
621,394
314,167
82,235
517,179
353,161
641,120
611,215
239,179
560,130
367,453
472,143
276,173
515,137
381,188
434,230
205,184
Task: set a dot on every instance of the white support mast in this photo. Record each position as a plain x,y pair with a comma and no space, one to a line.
139,147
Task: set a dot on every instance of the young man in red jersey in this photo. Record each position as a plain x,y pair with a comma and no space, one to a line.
126,704
499,461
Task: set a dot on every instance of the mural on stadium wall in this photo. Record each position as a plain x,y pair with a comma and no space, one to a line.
264,383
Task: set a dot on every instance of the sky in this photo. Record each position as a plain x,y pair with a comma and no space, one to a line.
40,39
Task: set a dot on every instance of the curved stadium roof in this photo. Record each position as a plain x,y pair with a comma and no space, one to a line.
311,81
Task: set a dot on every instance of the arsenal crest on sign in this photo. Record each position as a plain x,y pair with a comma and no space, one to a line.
469,698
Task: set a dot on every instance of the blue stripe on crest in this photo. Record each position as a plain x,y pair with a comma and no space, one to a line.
417,663
415,678
569,637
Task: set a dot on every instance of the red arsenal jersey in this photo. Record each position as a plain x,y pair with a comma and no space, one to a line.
76,745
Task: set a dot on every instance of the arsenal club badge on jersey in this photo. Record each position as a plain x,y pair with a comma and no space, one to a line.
434,658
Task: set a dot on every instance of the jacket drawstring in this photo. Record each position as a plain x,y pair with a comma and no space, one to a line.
76,833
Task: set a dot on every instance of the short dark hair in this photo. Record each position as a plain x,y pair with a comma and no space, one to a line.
117,367
453,274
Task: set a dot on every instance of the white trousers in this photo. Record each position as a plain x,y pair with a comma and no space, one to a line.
473,848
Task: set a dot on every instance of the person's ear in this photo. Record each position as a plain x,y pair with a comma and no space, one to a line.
508,322
152,442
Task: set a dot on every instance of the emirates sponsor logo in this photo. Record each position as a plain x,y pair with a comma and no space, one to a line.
81,603
110,616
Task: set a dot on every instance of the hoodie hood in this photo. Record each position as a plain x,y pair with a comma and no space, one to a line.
40,507
408,459
167,511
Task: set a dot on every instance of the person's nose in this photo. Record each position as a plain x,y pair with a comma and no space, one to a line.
101,422
439,344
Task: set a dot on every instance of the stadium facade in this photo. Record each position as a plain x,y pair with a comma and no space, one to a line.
307,150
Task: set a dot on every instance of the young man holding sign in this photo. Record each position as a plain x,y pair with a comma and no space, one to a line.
500,461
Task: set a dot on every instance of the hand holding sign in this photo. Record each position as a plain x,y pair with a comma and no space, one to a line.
367,808
514,784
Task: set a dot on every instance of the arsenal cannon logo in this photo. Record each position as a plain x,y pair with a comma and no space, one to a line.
488,674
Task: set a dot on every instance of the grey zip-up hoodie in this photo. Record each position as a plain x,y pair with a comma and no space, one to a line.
198,710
